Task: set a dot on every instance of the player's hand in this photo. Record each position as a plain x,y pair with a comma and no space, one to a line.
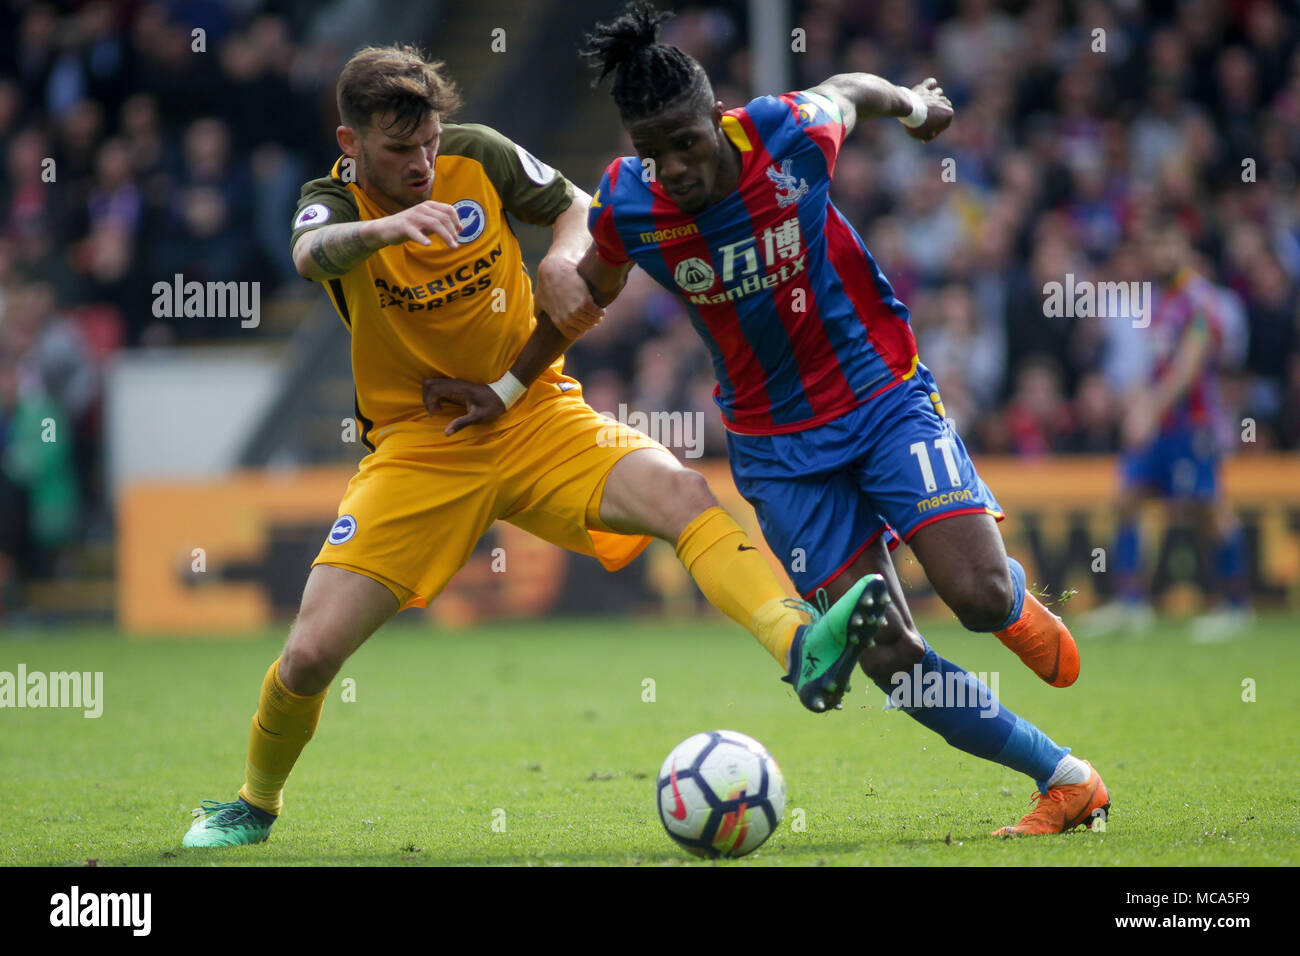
562,294
417,224
1140,424
481,403
938,110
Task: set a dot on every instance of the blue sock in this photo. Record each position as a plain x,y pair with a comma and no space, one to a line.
1230,566
961,709
1127,547
1018,592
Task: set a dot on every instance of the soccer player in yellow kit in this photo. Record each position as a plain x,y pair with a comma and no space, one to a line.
423,268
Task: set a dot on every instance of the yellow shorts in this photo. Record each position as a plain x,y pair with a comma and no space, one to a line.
420,502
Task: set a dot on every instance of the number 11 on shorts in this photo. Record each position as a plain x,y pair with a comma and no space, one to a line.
927,470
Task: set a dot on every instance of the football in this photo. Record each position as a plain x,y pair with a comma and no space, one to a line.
720,794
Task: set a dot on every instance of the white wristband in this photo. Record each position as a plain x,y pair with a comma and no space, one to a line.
508,388
919,111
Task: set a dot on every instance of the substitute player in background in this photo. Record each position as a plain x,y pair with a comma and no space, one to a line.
1171,449
836,432
419,260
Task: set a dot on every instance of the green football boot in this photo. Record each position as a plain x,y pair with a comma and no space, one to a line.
824,652
229,824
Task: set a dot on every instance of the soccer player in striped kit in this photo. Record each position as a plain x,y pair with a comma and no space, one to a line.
836,431
1171,450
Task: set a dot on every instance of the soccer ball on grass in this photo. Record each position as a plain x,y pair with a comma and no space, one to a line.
720,794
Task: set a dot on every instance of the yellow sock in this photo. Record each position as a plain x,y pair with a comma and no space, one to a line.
736,578
283,724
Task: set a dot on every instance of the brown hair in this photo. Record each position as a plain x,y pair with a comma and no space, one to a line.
393,79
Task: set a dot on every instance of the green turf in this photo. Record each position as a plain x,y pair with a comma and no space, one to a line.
547,723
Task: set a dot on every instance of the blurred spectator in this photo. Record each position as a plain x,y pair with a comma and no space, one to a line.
1096,418
1271,301
1039,419
114,200
963,352
978,35
38,490
209,247
51,350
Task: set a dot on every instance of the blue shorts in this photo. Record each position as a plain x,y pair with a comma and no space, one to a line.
824,495
1177,464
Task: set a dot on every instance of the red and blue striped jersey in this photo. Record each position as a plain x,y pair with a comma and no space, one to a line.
801,323
1190,305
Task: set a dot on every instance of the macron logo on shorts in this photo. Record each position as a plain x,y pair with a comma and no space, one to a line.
343,529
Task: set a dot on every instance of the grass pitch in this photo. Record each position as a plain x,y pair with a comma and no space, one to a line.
544,730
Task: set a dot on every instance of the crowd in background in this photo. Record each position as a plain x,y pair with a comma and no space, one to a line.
129,156
133,149
1059,149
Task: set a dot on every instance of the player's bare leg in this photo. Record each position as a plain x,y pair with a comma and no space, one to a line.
964,558
903,665
966,562
340,609
649,492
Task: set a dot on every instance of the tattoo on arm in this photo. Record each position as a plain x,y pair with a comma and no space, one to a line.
337,249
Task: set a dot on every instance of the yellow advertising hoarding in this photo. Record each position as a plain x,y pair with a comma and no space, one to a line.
231,556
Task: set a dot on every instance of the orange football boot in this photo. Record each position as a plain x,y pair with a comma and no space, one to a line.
1064,808
1044,643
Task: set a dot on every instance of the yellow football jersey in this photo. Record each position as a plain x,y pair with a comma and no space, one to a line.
418,312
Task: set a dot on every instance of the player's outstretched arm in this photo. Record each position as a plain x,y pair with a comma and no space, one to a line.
923,109
335,250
